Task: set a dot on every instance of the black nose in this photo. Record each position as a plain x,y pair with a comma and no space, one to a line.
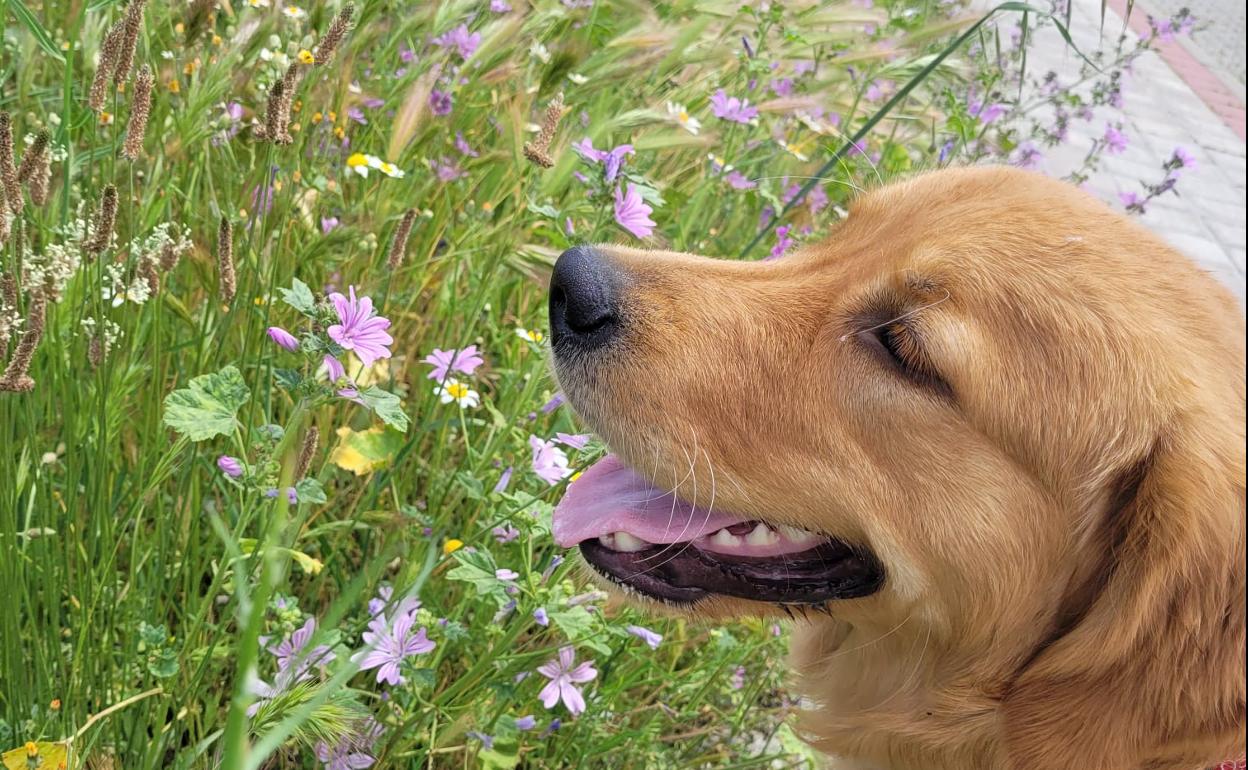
584,299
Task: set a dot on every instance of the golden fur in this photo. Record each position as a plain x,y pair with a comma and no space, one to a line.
1061,521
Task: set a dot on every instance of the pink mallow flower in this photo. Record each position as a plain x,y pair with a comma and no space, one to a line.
564,677
389,646
360,329
444,362
549,462
230,466
632,213
611,159
461,40
283,338
731,108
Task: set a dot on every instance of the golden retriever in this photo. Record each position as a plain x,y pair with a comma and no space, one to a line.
989,435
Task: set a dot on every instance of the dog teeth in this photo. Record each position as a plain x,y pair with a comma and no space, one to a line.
725,539
762,535
795,535
627,543
608,540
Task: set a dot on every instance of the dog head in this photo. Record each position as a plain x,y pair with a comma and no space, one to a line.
986,414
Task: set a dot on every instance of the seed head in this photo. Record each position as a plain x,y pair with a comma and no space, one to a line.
133,25
16,377
41,180
307,452
34,155
95,351
538,151
8,170
399,246
140,107
109,51
334,35
102,236
225,261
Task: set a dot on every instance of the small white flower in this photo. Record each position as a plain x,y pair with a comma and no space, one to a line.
48,458
266,54
459,393
792,149
258,3
540,52
580,80
529,335
294,12
811,123
678,113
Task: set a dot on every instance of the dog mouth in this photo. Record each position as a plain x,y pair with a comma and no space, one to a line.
650,541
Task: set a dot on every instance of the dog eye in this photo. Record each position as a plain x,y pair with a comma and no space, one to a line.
900,346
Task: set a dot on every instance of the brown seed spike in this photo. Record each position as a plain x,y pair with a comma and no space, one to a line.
129,41
34,155
399,246
538,151
16,378
225,261
8,170
102,236
140,108
109,51
307,452
334,35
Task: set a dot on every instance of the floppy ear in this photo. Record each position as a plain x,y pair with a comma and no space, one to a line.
1147,670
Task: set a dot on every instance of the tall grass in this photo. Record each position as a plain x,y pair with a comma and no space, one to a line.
143,583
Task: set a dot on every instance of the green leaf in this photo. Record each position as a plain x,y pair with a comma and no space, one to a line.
37,29
287,379
207,407
385,405
366,451
162,664
478,568
578,624
310,491
299,296
501,757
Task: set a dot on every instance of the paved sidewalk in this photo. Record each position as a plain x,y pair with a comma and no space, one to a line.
1163,109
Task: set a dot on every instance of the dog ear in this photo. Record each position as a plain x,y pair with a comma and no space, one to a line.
1147,666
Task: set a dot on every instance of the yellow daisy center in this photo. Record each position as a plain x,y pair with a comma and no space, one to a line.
457,390
357,159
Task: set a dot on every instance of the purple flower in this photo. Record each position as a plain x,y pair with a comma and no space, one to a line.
1132,202
527,722
987,114
353,750
555,724
500,6
360,329
738,181
356,114
444,362
291,656
505,533
611,159
803,67
1027,156
783,242
486,740
1115,140
389,647
462,145
646,635
632,213
781,87
541,617
440,102
737,681
576,441
328,224
283,338
1183,159
554,403
461,39
230,466
731,108
503,481
447,169
549,462
564,676
506,574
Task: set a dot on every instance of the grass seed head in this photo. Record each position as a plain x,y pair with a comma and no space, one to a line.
8,170
399,246
140,108
225,261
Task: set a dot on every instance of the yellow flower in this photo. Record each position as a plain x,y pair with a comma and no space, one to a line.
358,162
217,41
55,705
317,117
532,335
333,117
106,118
32,750
339,132
175,86
297,176
179,28
451,546
306,57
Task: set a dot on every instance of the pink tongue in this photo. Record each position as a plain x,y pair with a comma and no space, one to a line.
610,497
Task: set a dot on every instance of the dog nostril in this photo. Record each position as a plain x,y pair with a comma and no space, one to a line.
583,297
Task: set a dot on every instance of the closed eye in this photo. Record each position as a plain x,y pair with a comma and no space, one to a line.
899,346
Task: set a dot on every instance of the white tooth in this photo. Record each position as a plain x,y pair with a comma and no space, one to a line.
608,540
762,535
725,539
797,535
627,543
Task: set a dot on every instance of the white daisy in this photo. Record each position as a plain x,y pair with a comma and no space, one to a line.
459,393
678,113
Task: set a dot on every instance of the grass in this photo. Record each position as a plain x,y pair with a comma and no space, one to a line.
141,580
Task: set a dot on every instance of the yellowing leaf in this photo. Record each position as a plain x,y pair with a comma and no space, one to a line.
365,451
364,376
43,755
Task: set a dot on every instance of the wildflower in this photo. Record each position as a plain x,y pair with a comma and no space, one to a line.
538,151
291,656
500,6
328,224
531,335
354,750
681,116
8,169
102,235
459,393
294,12
554,403
527,722
399,245
230,466
632,213
507,533
283,338
987,114
737,681
225,261
783,242
131,27
645,635
563,678
361,164
305,56
109,51
389,647
443,362
464,42
360,329
451,546
738,181
307,451
334,35
463,147
506,574
792,149
440,102
540,52
576,441
1182,158
611,159
540,616
16,377
140,107
549,461
487,741
1115,140
731,108
447,170
1132,202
